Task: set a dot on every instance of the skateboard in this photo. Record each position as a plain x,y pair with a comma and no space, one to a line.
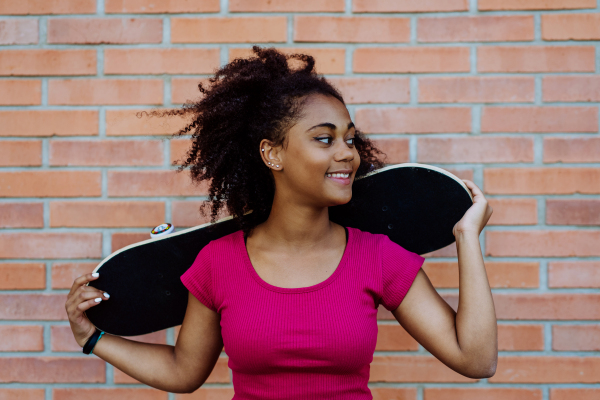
415,205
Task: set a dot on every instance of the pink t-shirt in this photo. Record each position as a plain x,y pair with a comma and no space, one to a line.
314,342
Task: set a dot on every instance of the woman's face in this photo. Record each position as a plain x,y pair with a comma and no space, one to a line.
321,143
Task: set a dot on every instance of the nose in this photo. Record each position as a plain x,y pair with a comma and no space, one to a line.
343,152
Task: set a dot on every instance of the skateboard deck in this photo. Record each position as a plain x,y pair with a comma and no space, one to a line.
415,205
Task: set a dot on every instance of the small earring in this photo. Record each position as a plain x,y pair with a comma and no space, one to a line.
262,149
277,166
269,163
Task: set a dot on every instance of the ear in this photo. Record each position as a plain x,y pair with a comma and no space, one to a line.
272,156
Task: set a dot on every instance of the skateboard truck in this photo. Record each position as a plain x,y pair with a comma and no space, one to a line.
162,230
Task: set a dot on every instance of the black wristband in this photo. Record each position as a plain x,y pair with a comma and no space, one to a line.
91,343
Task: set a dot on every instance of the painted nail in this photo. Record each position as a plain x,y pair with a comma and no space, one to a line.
95,274
98,299
106,294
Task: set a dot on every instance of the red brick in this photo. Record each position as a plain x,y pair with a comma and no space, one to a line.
220,374
413,369
20,276
48,123
160,7
546,369
47,62
63,274
475,150
161,61
537,306
351,29
106,152
52,370
543,243
21,338
327,61
212,393
50,245
109,393
286,6
49,307
409,6
513,211
579,394
414,120
127,122
22,394
394,338
20,153
542,180
482,393
520,338
476,89
574,274
397,150
120,240
19,31
571,88
373,90
37,7
576,337
573,212
63,340
105,30
184,90
228,30
476,29
394,393
153,183
179,149
105,91
106,214
536,59
20,92
50,183
571,26
539,119
444,274
411,59
21,215
571,150
187,213
492,5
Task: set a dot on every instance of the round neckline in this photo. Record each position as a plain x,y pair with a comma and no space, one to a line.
266,285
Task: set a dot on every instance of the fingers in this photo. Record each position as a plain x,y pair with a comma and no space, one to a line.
83,298
82,280
474,189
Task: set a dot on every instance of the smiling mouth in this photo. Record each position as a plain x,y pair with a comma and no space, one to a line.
339,176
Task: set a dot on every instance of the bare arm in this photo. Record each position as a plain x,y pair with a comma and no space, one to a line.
178,369
466,340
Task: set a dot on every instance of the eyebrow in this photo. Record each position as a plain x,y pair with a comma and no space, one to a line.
330,126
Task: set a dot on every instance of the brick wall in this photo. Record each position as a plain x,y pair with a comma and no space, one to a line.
504,92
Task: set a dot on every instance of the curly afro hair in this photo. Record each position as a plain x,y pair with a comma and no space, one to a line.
246,101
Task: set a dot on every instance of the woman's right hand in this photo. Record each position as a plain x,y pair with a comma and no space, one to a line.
80,298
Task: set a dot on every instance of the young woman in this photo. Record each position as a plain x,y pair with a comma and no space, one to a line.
292,295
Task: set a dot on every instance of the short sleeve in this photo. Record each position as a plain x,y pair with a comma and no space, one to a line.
198,279
399,268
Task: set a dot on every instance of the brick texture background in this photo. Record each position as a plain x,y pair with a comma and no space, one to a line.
504,92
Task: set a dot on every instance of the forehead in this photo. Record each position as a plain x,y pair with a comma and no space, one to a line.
318,108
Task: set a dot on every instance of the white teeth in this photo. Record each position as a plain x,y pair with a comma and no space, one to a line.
338,175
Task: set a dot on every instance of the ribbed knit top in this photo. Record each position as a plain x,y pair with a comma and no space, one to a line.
314,342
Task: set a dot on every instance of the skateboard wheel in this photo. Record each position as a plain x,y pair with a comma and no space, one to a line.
162,229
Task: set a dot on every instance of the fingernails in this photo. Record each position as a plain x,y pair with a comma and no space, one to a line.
106,294
95,274
98,299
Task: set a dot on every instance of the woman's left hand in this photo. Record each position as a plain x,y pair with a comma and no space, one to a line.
477,216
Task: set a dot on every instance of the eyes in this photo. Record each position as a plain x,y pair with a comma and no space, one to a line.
329,138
